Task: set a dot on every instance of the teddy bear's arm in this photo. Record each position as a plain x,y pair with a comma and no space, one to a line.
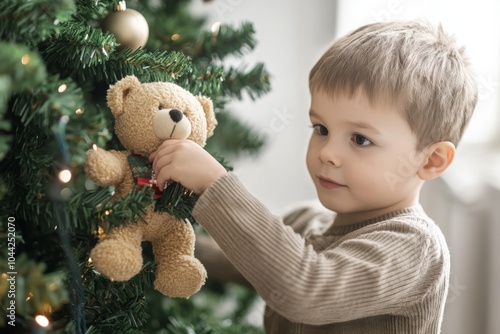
106,168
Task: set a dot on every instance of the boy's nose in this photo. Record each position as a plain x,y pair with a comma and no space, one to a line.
329,154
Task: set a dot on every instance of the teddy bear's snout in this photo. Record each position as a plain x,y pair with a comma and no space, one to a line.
171,124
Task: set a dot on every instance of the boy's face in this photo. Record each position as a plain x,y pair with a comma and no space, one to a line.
362,158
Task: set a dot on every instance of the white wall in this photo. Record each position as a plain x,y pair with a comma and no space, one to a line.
291,36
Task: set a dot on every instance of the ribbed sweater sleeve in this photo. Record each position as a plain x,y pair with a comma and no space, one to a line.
378,269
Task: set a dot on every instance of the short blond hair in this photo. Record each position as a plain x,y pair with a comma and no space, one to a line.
415,64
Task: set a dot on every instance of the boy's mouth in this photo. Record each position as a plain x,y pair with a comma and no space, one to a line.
329,183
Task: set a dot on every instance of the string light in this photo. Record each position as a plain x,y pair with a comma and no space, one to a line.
94,147
62,88
25,59
175,37
215,28
64,175
79,111
42,320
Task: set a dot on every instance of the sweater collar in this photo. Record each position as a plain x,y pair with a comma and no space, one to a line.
344,229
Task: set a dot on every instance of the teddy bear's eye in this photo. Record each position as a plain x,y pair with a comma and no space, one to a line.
160,107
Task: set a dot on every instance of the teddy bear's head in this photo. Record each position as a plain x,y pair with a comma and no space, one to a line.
146,114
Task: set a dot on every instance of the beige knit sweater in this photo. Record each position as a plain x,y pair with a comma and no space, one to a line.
384,275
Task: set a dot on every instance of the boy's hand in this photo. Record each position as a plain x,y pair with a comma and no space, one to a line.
185,162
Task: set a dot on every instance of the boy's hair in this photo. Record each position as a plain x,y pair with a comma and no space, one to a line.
418,66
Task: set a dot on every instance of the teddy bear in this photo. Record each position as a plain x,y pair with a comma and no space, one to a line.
145,115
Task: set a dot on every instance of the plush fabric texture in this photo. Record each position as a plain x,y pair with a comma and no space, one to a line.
385,275
118,255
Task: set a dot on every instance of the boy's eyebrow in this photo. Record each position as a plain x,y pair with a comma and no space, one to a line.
312,113
358,125
364,125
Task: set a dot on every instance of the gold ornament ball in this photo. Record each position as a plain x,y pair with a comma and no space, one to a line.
129,27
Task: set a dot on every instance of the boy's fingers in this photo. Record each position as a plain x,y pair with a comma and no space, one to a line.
163,174
152,156
161,153
166,143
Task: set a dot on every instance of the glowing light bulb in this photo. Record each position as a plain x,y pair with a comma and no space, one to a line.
175,37
25,59
79,111
215,28
62,88
42,320
64,176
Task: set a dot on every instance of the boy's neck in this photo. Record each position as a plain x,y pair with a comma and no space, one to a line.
343,219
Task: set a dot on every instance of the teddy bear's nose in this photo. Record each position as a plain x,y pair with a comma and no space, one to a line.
171,124
175,115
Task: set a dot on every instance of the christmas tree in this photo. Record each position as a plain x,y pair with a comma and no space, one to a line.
57,60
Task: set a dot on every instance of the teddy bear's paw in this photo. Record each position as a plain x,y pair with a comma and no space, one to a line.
181,278
103,167
116,259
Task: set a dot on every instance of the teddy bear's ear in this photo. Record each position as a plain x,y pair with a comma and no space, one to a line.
119,91
208,108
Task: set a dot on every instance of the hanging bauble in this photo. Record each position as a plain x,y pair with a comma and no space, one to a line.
129,27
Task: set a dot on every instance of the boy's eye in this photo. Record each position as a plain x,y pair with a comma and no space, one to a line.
320,129
361,140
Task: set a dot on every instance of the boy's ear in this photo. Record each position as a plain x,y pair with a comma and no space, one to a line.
439,157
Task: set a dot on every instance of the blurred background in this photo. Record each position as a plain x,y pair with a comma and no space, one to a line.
464,202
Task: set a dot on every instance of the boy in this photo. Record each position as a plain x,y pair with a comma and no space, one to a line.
389,103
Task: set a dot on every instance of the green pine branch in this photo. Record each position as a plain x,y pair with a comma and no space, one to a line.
171,32
20,69
225,40
204,81
78,46
32,21
112,305
150,66
90,11
254,82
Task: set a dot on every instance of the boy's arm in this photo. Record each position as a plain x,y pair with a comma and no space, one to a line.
360,277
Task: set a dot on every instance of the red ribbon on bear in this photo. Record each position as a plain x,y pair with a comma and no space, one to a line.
145,182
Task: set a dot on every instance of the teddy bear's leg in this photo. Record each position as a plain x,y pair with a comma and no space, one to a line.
178,272
119,255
